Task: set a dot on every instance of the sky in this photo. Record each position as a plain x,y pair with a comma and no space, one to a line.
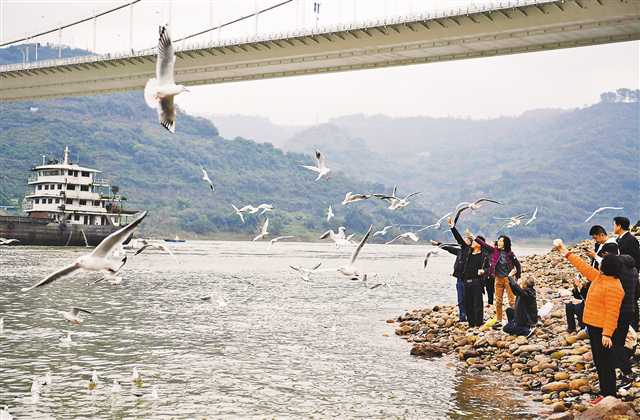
477,88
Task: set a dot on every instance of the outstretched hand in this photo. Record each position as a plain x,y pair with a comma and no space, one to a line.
450,221
558,245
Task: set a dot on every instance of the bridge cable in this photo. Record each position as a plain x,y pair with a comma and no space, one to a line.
282,3
70,24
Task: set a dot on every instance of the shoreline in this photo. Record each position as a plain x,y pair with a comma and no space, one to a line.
553,364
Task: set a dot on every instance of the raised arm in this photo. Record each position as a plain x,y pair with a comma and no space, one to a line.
515,287
484,245
458,237
451,249
518,267
582,266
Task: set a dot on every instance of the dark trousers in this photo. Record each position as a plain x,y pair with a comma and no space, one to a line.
604,359
512,327
634,322
573,311
473,302
490,284
621,353
460,290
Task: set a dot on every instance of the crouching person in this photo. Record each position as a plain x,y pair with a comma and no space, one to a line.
522,319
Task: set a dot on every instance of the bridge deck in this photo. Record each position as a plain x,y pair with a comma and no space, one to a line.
514,27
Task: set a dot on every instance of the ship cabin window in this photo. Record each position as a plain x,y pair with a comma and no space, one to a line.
83,202
84,188
71,187
39,187
59,186
96,203
46,186
85,174
50,201
57,201
69,201
37,201
75,173
76,217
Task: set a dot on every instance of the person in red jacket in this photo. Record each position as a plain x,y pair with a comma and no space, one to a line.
601,312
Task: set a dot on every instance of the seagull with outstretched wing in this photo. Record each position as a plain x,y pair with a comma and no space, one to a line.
600,210
205,178
350,270
263,231
321,166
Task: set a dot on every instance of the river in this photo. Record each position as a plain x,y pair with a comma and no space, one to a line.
267,345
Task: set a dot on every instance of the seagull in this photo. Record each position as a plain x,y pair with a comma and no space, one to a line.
321,166
407,235
73,316
264,207
263,230
159,92
220,300
93,382
338,237
305,273
394,201
116,387
4,241
330,214
533,217
280,238
460,208
136,378
66,341
600,210
98,260
238,212
352,198
159,247
382,232
511,221
436,225
205,177
350,270
428,255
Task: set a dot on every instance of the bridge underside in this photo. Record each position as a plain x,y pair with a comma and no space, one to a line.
507,30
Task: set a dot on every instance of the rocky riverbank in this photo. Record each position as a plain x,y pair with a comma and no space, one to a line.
552,361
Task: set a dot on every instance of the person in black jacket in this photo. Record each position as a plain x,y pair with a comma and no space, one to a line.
575,310
627,243
458,266
523,319
629,281
488,280
475,267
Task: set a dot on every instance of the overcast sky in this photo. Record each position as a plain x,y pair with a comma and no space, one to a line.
478,88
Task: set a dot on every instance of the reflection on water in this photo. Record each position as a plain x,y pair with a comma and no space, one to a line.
266,344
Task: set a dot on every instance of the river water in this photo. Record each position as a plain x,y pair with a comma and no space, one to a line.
267,345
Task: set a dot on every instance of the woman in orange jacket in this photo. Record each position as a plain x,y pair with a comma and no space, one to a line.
601,311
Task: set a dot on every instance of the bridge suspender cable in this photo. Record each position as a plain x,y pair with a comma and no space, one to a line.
70,24
282,3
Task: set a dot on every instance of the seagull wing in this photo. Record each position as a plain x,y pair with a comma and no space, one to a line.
294,267
166,58
458,213
412,194
54,276
322,162
395,189
315,267
356,252
265,226
412,236
393,240
326,234
142,249
443,218
111,242
311,168
167,113
488,200
426,258
75,311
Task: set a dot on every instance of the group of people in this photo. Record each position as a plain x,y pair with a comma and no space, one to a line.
606,294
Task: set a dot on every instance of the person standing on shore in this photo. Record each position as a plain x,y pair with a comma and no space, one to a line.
458,267
475,267
628,245
603,245
601,312
488,280
503,260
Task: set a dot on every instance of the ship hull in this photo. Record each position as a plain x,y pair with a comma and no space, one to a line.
30,231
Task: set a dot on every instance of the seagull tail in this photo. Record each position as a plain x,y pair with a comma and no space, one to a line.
150,90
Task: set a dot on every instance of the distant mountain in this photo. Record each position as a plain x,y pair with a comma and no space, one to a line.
259,129
18,53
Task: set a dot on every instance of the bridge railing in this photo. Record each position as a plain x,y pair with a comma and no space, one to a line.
274,36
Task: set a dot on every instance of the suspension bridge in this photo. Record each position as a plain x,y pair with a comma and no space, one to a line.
509,27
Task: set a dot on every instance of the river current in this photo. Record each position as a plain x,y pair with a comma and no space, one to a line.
266,345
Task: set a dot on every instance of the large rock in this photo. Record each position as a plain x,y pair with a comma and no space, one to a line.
608,409
555,387
427,350
529,348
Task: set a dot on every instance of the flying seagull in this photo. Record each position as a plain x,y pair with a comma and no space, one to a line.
280,238
321,166
263,230
159,247
394,201
350,270
600,210
460,208
205,177
428,255
436,225
352,198
305,273
238,212
382,232
533,217
159,92
339,237
4,241
330,214
407,235
511,221
100,259
264,207
73,316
